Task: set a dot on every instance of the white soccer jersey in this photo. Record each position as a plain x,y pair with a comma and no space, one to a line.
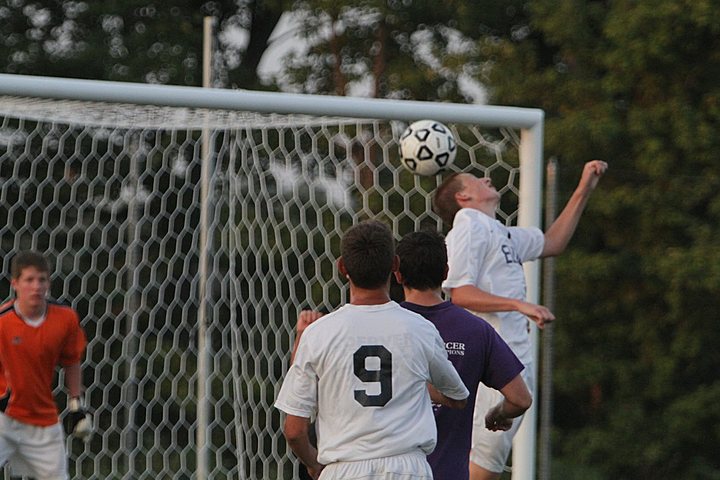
485,253
363,370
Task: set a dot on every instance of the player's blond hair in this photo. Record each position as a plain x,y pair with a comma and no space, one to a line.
444,202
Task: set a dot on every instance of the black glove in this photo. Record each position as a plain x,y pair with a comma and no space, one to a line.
78,421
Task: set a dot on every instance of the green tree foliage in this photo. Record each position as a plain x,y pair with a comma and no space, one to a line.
391,49
135,40
634,83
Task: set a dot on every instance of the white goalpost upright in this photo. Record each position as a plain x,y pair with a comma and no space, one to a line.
105,177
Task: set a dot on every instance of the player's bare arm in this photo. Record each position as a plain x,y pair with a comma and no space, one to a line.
444,400
478,300
305,318
558,235
73,380
517,399
296,433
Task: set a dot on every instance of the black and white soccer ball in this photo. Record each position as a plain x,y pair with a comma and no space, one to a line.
427,147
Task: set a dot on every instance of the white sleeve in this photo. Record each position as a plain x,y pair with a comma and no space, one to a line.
443,375
298,394
467,245
528,242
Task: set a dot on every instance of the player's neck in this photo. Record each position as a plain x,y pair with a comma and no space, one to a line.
30,311
425,298
488,208
365,296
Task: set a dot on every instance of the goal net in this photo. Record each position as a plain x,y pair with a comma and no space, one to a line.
189,235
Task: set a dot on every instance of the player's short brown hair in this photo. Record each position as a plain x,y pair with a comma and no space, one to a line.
444,202
423,259
25,259
368,250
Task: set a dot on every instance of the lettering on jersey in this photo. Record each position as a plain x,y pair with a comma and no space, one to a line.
455,348
510,254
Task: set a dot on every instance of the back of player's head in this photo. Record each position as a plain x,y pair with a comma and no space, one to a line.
368,251
444,202
423,260
26,259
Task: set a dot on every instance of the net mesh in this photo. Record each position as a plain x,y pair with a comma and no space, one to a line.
112,194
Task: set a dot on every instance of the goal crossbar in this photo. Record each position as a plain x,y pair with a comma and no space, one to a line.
267,102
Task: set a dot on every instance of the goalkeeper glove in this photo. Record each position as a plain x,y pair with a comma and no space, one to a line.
78,421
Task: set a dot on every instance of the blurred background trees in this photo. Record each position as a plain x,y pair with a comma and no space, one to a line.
634,83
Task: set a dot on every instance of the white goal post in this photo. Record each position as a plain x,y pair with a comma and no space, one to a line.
189,225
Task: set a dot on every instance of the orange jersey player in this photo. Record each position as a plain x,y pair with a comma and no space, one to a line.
36,335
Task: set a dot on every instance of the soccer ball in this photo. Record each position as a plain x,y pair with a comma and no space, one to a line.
427,147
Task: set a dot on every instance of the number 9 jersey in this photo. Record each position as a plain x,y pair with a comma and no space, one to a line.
363,371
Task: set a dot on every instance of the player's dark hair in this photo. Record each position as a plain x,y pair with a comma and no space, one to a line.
25,259
423,259
444,202
368,251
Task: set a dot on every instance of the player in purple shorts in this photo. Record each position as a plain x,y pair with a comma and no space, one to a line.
474,348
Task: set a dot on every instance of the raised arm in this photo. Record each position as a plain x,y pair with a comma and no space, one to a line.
561,231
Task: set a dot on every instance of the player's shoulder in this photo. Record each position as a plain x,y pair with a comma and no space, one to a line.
469,215
472,219
417,325
6,307
59,307
327,321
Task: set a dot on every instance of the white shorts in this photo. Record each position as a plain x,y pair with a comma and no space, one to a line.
409,466
490,450
33,451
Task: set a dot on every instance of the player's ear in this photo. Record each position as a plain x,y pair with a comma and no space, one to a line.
341,268
461,197
398,277
396,264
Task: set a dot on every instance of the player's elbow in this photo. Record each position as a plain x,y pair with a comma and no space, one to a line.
527,402
517,397
456,404
523,401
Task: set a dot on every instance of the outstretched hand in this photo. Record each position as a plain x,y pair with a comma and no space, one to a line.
537,313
